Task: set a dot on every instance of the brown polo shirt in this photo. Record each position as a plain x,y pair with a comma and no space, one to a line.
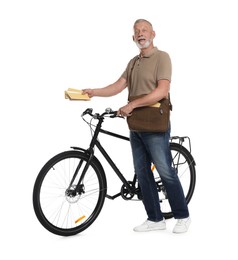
143,73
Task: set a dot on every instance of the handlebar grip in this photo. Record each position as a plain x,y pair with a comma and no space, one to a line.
113,114
87,111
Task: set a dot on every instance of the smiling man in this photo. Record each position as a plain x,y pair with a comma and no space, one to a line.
143,34
147,77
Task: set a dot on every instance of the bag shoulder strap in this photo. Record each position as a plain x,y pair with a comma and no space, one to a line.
170,104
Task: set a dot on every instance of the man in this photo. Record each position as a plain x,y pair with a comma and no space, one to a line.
149,73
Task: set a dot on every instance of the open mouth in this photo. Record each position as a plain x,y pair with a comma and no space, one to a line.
141,40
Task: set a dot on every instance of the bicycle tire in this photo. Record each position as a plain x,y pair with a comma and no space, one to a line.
184,164
56,210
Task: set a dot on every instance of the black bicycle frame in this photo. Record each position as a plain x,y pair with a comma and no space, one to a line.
112,164
90,152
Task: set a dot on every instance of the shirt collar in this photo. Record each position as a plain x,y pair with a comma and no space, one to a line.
150,53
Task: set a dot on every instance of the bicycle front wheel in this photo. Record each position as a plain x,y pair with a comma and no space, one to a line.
61,205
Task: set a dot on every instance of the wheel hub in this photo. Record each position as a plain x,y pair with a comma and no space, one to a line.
72,194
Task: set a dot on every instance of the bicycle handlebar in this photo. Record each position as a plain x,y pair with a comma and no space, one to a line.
108,111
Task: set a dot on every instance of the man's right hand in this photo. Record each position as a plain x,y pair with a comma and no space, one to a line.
89,92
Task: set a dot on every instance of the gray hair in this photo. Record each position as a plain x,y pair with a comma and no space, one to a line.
142,20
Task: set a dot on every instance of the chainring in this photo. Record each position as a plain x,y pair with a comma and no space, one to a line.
126,195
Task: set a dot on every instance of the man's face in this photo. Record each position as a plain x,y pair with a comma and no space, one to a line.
143,35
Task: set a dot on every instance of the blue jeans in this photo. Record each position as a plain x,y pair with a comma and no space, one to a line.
154,147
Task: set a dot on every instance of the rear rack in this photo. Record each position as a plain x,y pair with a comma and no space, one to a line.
180,140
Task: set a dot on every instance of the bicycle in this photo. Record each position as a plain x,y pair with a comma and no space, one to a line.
70,189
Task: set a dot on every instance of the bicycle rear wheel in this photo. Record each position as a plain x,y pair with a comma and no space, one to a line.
62,208
184,165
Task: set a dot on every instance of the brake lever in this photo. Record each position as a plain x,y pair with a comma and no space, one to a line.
87,111
115,115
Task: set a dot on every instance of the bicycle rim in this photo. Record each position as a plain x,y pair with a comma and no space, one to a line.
61,210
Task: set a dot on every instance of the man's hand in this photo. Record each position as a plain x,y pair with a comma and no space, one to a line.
125,111
88,91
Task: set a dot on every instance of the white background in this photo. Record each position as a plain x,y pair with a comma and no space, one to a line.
49,46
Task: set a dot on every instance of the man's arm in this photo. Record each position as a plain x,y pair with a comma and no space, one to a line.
160,92
108,91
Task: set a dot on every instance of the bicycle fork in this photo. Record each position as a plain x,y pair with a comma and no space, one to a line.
73,190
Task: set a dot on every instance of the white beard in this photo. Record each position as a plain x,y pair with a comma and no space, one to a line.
144,46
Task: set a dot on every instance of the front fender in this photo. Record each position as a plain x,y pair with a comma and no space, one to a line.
79,148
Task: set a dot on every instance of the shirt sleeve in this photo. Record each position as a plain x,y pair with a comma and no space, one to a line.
164,70
124,74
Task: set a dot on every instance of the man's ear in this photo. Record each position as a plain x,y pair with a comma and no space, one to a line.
133,38
153,33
